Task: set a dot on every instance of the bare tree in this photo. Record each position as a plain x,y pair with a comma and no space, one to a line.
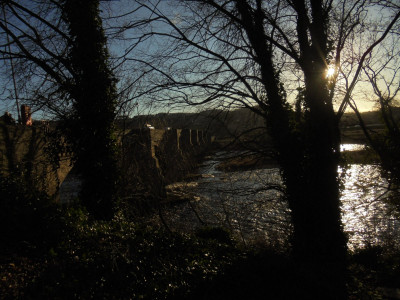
371,60
36,38
260,55
383,76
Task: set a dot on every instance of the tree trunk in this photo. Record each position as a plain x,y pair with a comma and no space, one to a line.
94,95
313,190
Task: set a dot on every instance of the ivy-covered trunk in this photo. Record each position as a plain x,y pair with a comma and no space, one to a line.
318,240
313,189
93,93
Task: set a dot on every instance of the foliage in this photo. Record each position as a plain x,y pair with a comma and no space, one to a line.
28,218
118,259
373,270
72,256
69,255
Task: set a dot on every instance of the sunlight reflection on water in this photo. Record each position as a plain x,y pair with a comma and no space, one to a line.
366,217
240,202
352,147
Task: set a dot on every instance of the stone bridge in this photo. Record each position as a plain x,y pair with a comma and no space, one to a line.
149,159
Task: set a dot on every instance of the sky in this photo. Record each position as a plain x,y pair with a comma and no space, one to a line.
107,7
7,101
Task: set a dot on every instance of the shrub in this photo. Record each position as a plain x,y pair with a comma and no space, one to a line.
28,218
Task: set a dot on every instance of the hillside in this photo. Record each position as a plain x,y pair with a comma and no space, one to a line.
230,124
222,124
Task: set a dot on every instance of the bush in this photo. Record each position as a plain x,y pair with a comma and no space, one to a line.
29,220
120,260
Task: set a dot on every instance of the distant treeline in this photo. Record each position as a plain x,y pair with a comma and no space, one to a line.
219,123
370,117
224,124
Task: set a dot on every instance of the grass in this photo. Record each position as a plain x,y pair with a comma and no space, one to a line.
246,162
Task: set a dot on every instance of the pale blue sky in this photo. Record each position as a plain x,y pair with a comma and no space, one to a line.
7,101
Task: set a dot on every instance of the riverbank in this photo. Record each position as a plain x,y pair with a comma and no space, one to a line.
253,161
244,161
360,157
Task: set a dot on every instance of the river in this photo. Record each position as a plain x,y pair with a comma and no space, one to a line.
250,205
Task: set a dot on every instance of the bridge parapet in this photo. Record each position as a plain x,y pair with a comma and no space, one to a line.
23,151
149,158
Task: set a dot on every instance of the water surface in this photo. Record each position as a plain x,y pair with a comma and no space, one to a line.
249,203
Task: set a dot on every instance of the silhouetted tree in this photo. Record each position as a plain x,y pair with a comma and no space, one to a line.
254,54
385,83
377,69
67,61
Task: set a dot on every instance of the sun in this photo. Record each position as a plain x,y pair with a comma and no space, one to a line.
330,72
